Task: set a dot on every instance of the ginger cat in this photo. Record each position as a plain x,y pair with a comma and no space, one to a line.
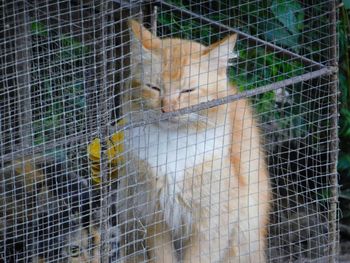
197,186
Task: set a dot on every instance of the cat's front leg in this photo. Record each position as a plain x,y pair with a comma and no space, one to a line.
207,243
217,237
160,244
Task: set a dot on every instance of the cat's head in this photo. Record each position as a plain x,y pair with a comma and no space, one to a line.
170,74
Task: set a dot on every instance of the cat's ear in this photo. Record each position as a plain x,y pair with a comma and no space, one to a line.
220,52
148,41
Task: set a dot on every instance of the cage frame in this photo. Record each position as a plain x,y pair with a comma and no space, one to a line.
318,70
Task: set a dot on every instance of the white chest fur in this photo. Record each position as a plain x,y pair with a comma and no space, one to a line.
169,152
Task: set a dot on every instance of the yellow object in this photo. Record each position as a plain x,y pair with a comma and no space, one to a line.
115,149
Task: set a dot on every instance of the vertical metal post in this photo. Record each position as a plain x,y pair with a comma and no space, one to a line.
104,118
23,57
154,21
333,218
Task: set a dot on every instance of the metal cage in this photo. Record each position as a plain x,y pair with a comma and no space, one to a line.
66,78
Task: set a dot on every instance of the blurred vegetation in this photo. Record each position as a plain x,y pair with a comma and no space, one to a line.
344,130
59,110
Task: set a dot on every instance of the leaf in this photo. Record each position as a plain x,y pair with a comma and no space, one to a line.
39,29
275,33
346,4
344,162
343,84
266,102
345,123
289,13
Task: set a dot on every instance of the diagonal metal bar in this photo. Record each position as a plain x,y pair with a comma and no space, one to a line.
234,97
284,51
84,138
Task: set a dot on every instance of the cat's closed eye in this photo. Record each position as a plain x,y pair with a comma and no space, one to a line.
153,87
187,90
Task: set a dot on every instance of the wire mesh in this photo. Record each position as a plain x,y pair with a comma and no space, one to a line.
123,143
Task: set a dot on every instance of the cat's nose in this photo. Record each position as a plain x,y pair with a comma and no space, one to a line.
167,105
165,109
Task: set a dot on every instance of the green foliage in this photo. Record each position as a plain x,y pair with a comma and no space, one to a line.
186,30
278,21
346,4
289,13
60,108
39,29
345,123
344,130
